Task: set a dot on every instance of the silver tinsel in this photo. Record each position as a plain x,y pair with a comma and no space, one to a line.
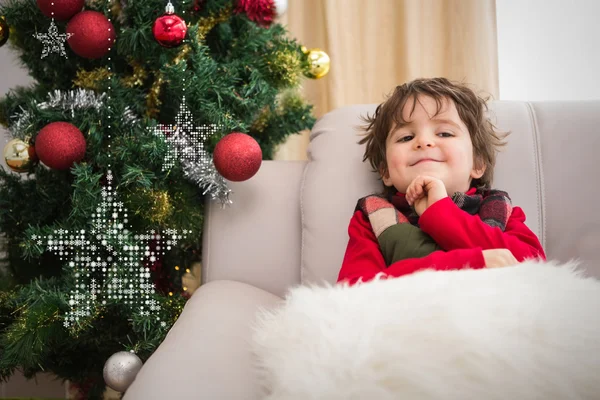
186,144
20,127
207,177
72,100
129,117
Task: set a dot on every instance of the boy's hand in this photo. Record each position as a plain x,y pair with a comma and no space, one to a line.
423,191
495,258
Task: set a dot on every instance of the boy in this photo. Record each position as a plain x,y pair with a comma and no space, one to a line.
435,151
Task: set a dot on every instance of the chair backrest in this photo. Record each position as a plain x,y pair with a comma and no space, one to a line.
549,167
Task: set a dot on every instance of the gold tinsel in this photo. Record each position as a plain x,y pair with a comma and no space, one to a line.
138,77
90,79
206,24
116,9
153,99
155,205
284,68
185,49
291,99
260,123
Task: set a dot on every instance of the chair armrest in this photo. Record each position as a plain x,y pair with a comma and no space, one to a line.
207,353
257,240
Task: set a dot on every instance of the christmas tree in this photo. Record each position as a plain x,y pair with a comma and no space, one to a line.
131,125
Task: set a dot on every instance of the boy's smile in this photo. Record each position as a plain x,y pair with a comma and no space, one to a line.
429,144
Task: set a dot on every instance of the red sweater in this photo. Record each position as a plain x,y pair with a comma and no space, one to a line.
462,235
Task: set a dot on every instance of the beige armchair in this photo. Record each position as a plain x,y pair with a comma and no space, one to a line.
288,226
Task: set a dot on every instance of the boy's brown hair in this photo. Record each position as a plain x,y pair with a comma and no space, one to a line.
471,109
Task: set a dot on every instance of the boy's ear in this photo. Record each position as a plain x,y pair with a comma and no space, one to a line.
385,175
478,169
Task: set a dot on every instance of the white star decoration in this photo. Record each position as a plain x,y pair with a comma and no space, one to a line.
122,273
53,41
186,143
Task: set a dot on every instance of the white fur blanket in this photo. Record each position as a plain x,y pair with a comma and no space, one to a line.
526,332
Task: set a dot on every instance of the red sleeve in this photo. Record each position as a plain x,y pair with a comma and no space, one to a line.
453,228
363,260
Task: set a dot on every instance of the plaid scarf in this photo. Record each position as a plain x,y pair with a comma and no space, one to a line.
396,227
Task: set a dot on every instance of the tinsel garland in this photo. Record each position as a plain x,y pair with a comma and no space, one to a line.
208,23
91,79
284,68
197,163
206,176
69,101
72,100
154,205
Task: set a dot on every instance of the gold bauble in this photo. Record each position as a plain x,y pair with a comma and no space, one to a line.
4,31
318,64
19,156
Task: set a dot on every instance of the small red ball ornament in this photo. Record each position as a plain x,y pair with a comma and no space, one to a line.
237,157
61,10
93,34
59,145
169,29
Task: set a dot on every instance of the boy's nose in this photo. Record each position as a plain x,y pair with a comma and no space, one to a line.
424,142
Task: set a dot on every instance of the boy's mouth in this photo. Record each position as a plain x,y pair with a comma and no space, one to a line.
425,160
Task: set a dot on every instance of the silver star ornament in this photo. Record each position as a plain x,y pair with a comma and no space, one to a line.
53,41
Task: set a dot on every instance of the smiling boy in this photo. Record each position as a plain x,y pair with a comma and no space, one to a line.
435,151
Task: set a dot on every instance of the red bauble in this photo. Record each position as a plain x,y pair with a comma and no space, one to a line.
93,34
260,11
237,157
62,9
169,30
59,145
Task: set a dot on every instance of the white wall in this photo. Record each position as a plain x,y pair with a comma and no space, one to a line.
548,49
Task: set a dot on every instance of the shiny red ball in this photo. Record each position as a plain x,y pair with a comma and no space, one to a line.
169,30
59,145
62,9
237,157
93,34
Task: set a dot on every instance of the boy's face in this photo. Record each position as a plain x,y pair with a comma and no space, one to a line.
439,147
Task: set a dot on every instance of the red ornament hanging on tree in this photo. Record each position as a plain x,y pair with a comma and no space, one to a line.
92,34
59,145
60,10
237,157
260,11
169,29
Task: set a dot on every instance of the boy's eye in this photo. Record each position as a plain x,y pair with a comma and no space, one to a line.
445,134
404,138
